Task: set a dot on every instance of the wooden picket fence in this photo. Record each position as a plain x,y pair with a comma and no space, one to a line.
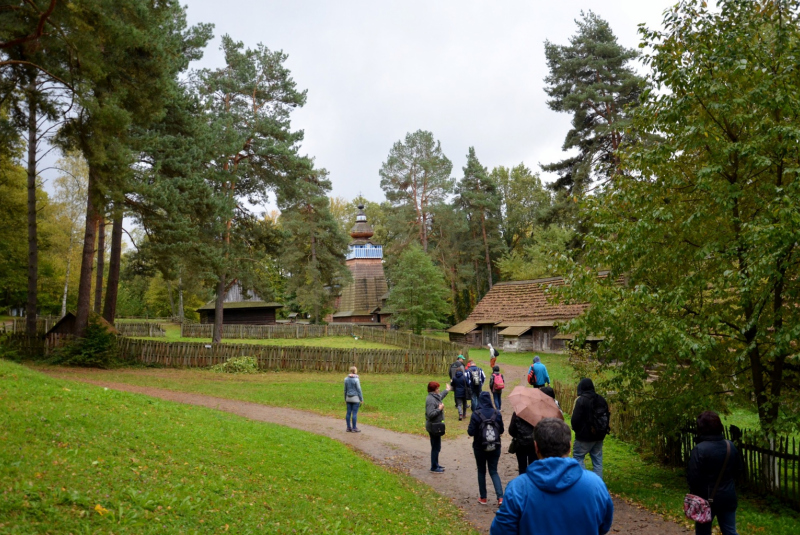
373,334
35,346
296,358
143,328
43,324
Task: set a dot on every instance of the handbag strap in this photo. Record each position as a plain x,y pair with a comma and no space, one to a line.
724,465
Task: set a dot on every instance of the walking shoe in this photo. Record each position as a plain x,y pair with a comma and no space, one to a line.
482,501
437,470
460,418
499,502
356,430
349,430
442,467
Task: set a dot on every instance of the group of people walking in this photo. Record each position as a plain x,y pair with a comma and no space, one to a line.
550,479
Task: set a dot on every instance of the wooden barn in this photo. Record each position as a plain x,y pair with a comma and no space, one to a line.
66,325
516,316
241,307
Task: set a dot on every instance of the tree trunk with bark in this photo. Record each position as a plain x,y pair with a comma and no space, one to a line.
171,299
33,247
218,310
101,263
486,247
180,298
66,277
87,259
114,263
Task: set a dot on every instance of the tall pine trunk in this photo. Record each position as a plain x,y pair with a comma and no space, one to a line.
171,299
66,277
101,263
180,297
33,247
486,248
218,310
87,258
114,261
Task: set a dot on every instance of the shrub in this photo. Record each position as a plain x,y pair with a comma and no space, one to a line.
97,349
237,365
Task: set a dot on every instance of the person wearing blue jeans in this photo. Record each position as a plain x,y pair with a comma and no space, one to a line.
496,386
476,375
595,451
354,398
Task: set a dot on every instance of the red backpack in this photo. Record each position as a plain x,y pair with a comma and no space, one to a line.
531,377
498,382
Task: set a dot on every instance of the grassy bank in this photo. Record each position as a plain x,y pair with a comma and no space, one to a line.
395,402
81,459
173,334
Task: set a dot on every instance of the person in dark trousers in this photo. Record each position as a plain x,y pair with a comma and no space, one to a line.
497,391
705,466
454,367
486,459
523,434
461,391
476,380
542,377
434,413
589,433
555,496
354,398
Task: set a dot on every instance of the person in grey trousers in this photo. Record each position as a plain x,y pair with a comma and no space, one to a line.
434,413
354,398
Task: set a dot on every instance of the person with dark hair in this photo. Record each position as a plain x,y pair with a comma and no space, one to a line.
434,422
523,434
486,426
590,421
462,390
497,382
552,393
476,380
455,367
714,464
555,495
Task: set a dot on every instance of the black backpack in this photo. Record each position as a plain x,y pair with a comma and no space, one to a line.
601,418
488,431
525,432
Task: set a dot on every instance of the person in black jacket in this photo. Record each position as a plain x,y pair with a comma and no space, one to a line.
705,465
590,407
523,433
484,458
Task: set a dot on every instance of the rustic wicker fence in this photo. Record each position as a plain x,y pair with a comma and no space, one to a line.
373,334
298,358
141,328
35,346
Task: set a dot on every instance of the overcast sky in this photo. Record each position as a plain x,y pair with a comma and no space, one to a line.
471,72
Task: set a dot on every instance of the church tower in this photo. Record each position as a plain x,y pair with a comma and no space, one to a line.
362,300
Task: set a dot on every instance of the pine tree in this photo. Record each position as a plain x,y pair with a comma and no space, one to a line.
479,197
314,247
591,79
418,295
415,177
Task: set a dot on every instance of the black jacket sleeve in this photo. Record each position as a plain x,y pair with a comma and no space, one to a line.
473,424
581,416
512,426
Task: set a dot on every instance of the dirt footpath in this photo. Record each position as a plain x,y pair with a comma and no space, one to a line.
409,453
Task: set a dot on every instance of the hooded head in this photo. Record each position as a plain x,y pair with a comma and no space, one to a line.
485,400
536,359
586,386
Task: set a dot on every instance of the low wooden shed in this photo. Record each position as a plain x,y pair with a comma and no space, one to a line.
241,307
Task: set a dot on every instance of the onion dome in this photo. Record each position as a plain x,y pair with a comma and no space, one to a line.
361,230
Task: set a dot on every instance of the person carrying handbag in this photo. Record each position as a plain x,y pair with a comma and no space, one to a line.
714,464
434,422
353,398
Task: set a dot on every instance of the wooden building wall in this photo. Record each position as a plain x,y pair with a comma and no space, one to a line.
537,339
242,316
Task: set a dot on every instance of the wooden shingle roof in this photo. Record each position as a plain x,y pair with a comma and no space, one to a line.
522,303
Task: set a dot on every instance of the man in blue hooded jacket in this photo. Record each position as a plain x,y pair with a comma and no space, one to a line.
556,495
540,371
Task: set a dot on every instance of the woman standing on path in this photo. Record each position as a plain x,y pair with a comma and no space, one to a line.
434,422
353,398
714,463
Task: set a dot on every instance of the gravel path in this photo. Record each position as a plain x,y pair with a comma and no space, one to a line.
405,452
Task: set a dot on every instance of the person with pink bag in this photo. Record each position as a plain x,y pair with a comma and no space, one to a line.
714,464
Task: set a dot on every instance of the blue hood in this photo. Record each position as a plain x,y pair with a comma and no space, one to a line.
555,474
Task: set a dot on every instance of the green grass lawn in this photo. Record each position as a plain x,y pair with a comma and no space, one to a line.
395,402
173,334
81,459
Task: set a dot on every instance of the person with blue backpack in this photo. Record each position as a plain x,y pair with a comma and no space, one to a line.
537,374
486,426
462,390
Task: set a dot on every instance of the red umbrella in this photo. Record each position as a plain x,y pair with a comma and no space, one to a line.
532,405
